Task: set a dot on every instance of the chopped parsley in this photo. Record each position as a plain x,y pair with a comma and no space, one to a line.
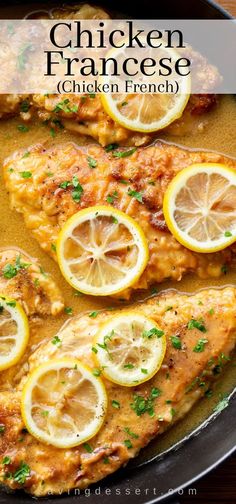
21,473
52,132
211,311
92,162
144,371
141,405
197,324
9,303
44,413
130,433
176,342
10,270
110,147
22,128
88,448
129,366
111,197
53,247
106,460
153,332
200,346
65,106
135,194
56,341
6,460
94,350
65,184
24,106
115,404
122,154
228,234
78,190
97,372
26,154
2,429
68,310
26,174
224,269
128,443
222,404
93,314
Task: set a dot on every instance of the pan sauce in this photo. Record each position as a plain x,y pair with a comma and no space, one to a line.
219,135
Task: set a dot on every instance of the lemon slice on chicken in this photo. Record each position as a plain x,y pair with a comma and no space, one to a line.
63,403
101,251
14,332
200,207
129,348
146,112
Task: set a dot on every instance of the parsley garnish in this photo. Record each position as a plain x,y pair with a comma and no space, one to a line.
176,342
26,174
10,270
197,324
130,433
56,341
142,405
128,366
153,332
92,162
68,310
22,473
224,269
135,194
6,460
228,234
122,154
200,346
65,107
128,443
111,147
93,314
115,404
111,197
78,190
222,404
88,448
24,106
22,128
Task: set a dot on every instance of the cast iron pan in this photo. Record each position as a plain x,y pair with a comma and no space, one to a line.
165,477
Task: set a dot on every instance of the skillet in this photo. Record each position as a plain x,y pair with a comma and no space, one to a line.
160,477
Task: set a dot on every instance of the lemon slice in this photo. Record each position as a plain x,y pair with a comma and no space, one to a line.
102,251
200,207
129,348
146,112
63,403
14,332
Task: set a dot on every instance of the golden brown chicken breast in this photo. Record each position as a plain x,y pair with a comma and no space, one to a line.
136,413
133,180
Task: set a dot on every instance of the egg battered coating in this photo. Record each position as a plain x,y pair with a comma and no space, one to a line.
23,279
184,377
135,184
